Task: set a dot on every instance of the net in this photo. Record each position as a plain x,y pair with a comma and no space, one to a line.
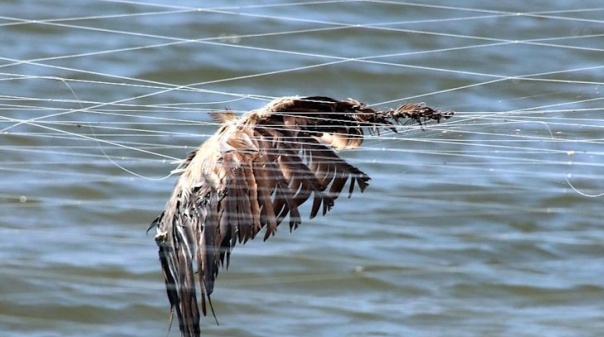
99,98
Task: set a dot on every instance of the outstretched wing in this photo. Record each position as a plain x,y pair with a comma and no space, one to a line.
253,174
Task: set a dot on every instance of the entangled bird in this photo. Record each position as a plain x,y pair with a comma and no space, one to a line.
252,174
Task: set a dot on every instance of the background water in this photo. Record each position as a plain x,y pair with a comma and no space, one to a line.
468,229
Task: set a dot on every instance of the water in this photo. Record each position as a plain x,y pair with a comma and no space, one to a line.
467,229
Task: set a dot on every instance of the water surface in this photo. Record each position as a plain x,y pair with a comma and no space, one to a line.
467,229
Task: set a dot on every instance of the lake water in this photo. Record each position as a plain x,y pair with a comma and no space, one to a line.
471,228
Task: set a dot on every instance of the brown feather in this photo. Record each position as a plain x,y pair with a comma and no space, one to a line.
252,186
252,174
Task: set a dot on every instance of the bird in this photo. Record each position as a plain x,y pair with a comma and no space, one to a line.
252,175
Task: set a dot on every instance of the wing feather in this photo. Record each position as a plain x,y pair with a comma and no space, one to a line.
224,238
253,174
252,193
265,188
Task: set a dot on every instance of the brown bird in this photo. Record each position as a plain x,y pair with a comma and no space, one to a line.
254,173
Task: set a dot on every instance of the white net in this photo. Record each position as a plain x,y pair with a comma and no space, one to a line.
464,222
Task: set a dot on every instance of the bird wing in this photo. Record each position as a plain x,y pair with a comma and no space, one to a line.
252,174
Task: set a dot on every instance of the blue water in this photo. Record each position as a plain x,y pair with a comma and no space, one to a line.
468,229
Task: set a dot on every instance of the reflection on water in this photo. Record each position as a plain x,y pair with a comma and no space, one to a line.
467,229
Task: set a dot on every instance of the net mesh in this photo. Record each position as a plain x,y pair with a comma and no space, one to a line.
99,98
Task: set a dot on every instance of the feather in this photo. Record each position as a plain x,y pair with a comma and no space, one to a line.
253,174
